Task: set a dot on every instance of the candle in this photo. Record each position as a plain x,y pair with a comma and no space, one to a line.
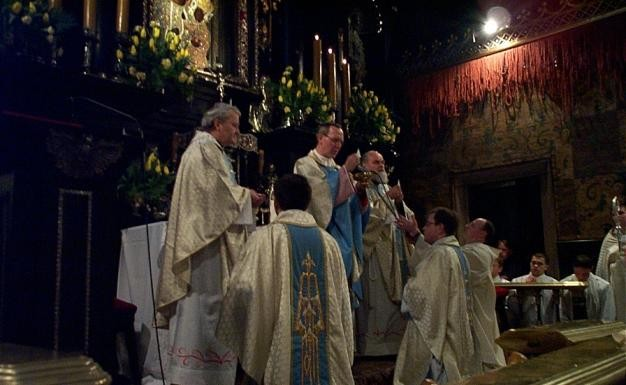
54,4
332,78
121,16
89,15
345,85
317,61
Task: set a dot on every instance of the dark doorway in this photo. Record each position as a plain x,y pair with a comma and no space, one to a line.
514,206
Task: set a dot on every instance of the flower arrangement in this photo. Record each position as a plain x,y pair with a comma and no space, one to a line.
32,29
299,99
155,59
369,119
147,187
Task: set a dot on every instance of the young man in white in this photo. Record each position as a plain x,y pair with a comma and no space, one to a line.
539,264
599,300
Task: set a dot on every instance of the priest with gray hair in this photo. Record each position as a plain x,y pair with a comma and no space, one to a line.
206,229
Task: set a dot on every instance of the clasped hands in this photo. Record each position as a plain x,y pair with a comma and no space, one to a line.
257,198
408,225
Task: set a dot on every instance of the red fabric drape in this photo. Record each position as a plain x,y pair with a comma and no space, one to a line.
591,55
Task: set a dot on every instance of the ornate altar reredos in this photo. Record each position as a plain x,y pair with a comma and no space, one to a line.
218,35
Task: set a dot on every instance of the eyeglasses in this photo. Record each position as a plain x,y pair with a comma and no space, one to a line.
334,140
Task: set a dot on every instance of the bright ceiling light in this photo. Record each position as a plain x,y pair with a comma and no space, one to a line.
490,27
498,18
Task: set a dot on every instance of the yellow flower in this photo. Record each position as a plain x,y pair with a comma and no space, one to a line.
166,170
119,54
132,71
16,7
141,76
182,78
151,43
166,63
135,39
50,30
283,80
172,47
300,77
153,23
31,8
351,110
133,50
156,32
287,109
143,33
308,110
152,159
45,18
398,130
324,107
289,83
157,168
280,98
190,79
298,94
26,19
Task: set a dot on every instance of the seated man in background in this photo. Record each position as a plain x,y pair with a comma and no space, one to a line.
287,311
598,304
539,264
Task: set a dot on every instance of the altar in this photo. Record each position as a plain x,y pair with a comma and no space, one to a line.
137,281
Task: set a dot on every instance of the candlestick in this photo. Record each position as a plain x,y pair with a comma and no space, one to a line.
89,15
317,61
54,4
345,85
332,78
121,16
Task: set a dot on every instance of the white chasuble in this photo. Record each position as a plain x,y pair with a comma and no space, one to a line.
287,311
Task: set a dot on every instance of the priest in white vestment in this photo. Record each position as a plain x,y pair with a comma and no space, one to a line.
204,235
481,258
539,264
338,205
380,325
599,303
611,265
287,312
437,343
609,249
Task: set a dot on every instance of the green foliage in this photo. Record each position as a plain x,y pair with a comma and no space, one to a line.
157,59
300,99
147,186
30,28
369,119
